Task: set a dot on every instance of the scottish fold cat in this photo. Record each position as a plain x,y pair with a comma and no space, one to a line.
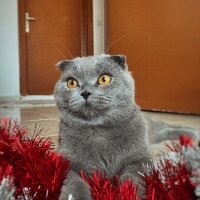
101,127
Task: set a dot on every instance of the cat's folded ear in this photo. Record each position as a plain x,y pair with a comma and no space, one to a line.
120,60
63,64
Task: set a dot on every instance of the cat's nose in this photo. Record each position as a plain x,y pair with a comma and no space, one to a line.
85,94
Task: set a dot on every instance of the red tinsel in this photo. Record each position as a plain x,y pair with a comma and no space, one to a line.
170,180
34,166
31,162
170,183
186,141
103,188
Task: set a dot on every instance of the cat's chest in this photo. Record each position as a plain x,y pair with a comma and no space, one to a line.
98,143
100,149
101,140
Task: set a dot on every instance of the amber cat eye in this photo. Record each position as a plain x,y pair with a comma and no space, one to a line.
72,83
104,80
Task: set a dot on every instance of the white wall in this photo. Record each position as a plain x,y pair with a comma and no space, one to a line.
9,49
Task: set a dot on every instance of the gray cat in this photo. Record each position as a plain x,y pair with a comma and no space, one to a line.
101,126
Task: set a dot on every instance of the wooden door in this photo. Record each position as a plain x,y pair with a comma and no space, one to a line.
161,40
57,33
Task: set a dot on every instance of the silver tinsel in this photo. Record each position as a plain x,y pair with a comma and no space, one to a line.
7,189
26,195
192,156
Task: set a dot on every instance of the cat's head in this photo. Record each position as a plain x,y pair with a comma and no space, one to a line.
94,90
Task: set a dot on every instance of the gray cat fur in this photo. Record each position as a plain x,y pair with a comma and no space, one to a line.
106,132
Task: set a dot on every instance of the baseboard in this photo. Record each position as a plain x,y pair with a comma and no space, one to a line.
9,98
31,100
37,97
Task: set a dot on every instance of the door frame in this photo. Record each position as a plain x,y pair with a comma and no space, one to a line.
106,25
86,38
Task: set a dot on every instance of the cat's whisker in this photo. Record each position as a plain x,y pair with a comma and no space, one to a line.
73,100
104,97
65,48
54,43
62,54
115,41
54,47
74,105
101,100
68,52
118,115
101,97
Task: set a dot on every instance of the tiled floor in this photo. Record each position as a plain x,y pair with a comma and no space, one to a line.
35,118
45,116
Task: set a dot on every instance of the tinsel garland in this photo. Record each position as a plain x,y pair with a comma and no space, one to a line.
37,171
174,176
31,170
103,188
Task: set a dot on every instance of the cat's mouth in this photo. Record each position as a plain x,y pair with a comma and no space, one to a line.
90,107
90,110
94,105
88,113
